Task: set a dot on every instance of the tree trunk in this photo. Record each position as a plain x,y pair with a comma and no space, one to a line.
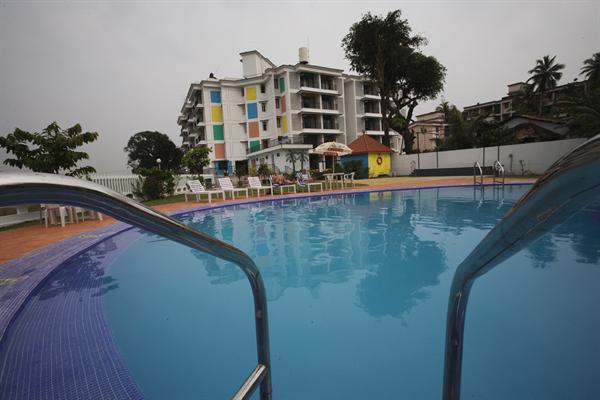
385,120
406,134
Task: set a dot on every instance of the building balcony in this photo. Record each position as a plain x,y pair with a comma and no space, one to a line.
182,119
304,110
189,104
372,115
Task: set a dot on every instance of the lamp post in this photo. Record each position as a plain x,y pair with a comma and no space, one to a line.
437,159
158,160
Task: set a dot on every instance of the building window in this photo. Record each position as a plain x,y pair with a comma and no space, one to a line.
437,129
277,154
243,94
262,89
265,125
277,103
276,83
263,106
279,122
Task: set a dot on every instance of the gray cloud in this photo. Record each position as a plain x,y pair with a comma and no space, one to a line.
120,68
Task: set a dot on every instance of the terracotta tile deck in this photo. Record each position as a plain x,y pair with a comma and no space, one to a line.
21,241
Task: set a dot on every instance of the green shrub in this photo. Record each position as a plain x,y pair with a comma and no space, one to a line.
154,184
356,166
264,171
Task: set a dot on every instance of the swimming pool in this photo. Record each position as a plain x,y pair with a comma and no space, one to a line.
357,288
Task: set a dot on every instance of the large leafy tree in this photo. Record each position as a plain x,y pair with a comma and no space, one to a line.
419,78
54,150
591,70
144,148
374,46
584,112
196,159
544,76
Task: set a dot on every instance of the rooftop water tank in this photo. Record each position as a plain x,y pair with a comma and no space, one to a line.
303,55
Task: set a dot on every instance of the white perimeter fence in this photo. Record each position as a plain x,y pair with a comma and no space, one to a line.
518,159
124,184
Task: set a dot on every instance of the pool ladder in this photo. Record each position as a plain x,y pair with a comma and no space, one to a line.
498,177
568,185
27,188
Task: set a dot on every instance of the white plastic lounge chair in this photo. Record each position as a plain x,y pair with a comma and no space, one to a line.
348,179
304,181
198,190
281,187
255,184
227,187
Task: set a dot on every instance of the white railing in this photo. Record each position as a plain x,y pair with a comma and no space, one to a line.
126,183
121,183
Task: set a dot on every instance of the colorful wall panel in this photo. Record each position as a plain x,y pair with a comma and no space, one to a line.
255,145
252,111
217,114
251,93
253,129
283,105
284,126
215,96
281,84
218,133
219,150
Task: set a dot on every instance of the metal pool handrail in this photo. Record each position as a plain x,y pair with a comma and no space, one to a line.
476,168
499,171
567,186
27,188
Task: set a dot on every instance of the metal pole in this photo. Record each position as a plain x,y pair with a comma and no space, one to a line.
20,188
568,185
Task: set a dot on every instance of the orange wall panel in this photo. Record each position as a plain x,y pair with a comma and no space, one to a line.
253,129
219,150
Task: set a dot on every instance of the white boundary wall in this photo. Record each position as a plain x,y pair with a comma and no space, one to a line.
535,157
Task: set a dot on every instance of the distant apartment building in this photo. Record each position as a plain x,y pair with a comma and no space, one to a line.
273,109
502,110
427,129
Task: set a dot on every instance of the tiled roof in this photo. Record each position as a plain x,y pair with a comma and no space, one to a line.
366,144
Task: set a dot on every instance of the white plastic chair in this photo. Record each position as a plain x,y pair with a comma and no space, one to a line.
348,179
304,181
198,190
227,187
281,187
256,184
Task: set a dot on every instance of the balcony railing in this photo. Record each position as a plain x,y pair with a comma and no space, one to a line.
277,142
309,83
309,104
330,124
330,105
311,124
370,91
328,85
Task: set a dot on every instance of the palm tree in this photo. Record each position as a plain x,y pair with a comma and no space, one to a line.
591,69
444,107
292,158
545,74
302,157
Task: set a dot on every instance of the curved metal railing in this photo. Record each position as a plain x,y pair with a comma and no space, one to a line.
567,186
477,171
498,172
21,188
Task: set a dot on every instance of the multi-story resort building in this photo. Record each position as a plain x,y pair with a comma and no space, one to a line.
273,110
427,130
502,109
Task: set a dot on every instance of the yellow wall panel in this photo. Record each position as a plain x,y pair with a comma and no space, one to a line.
377,170
251,93
284,127
217,114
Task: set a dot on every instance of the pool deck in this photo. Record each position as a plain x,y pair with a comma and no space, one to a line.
29,255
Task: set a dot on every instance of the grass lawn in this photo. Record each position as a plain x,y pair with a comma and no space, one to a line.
165,200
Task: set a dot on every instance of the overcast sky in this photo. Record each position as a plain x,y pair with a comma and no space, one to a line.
119,68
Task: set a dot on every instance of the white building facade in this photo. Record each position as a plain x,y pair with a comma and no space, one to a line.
275,110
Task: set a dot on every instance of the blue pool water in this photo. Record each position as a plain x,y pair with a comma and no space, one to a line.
357,288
